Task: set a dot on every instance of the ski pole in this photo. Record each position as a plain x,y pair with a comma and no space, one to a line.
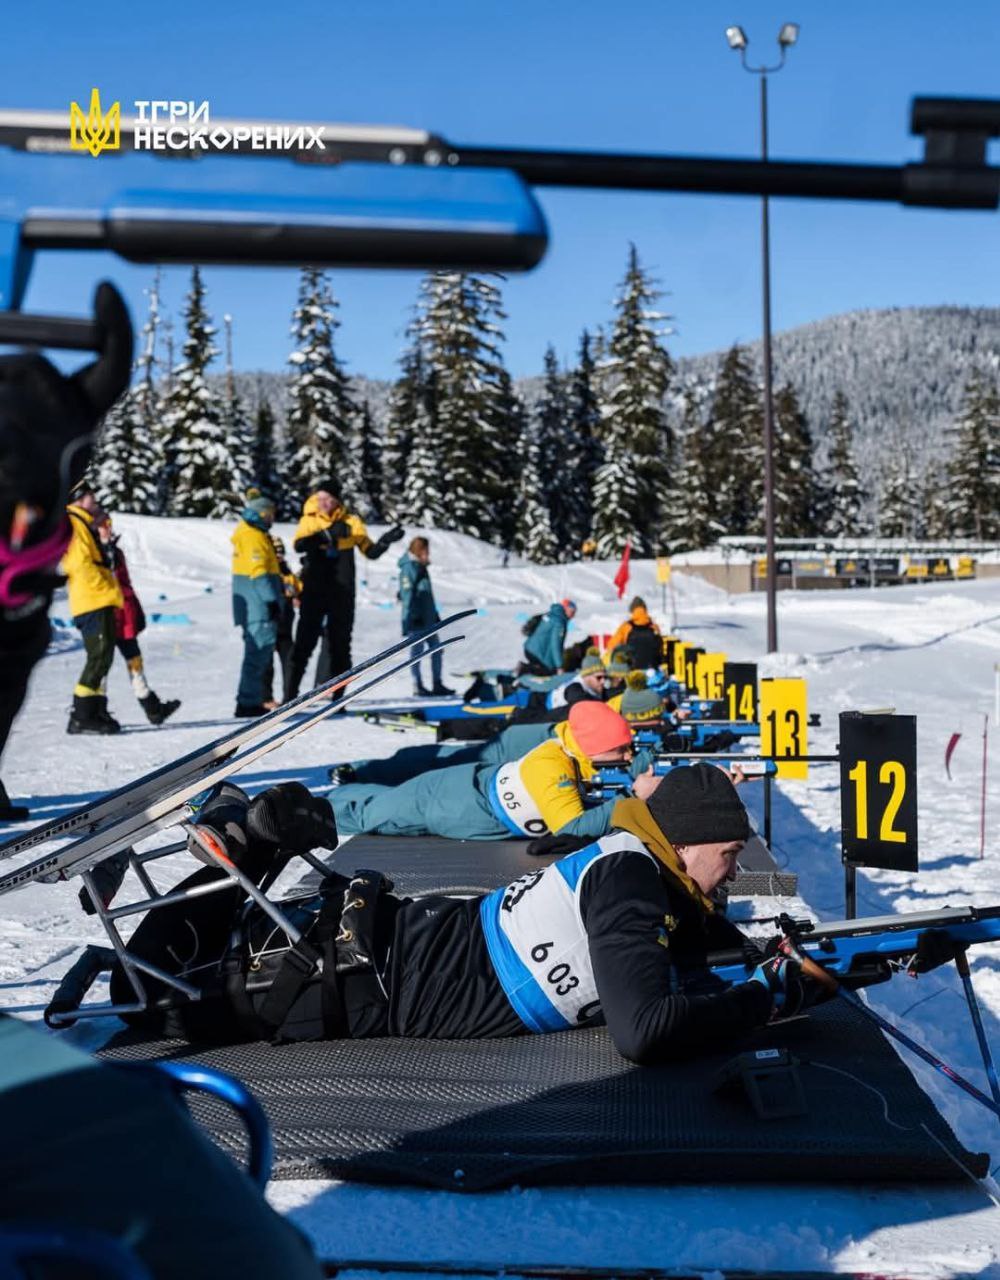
962,965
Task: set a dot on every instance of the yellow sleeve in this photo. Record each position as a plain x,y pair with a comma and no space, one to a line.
548,774
357,536
620,636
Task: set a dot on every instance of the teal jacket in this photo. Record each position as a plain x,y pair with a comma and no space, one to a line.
546,642
416,595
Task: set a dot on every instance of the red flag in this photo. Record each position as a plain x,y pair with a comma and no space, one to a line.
621,577
949,751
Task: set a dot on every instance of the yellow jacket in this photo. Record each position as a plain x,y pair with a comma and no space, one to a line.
91,582
253,552
314,521
541,791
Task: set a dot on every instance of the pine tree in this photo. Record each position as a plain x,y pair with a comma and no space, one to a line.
459,329
842,515
511,418
201,472
689,519
534,537
734,444
321,411
796,489
408,416
237,432
370,453
631,484
554,440
125,460
973,503
266,471
897,504
582,453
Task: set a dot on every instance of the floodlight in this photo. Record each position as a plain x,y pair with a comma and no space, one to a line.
788,34
736,37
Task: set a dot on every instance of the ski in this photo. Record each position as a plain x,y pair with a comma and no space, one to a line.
136,794
178,803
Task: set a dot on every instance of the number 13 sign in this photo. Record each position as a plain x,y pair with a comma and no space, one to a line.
878,790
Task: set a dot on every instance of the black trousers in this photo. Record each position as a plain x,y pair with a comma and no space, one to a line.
22,643
283,656
98,630
329,614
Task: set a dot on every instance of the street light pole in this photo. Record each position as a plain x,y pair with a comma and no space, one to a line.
737,40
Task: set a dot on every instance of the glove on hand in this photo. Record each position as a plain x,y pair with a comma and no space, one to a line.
790,990
935,948
288,816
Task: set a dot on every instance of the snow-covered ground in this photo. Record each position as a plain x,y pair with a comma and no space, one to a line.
928,650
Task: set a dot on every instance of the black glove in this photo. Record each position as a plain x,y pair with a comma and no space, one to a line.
288,816
389,537
791,990
935,947
273,611
551,846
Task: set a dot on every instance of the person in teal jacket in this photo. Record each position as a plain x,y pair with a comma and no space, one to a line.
416,595
258,595
543,649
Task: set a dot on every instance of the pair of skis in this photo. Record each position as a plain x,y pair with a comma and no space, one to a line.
169,795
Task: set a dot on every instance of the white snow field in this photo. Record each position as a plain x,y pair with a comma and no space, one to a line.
928,650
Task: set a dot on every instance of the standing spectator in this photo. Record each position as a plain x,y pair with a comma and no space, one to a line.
94,595
258,596
416,595
130,620
543,649
640,635
292,585
326,536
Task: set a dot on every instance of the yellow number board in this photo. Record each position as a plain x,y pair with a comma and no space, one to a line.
708,674
783,724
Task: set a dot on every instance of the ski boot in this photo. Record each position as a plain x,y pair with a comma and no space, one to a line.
249,711
107,877
11,812
342,773
442,691
157,711
90,715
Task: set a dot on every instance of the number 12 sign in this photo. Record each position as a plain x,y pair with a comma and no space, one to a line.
878,790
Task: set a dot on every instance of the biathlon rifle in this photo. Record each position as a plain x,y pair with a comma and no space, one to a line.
849,954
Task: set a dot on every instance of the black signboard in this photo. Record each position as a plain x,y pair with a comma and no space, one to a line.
691,667
878,790
739,690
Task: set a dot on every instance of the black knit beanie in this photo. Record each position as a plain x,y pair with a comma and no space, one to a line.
698,804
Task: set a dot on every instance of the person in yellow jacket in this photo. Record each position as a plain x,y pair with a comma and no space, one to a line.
327,537
258,596
94,595
539,794
640,635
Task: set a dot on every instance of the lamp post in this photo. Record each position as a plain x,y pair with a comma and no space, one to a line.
787,36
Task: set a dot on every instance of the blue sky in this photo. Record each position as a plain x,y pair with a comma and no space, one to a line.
639,75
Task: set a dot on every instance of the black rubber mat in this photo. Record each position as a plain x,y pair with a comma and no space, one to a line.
419,865
565,1108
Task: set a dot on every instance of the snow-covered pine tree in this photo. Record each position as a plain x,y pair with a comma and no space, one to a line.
898,495
932,519
511,416
734,444
842,481
266,461
201,472
369,450
238,434
796,490
581,455
552,436
632,482
533,537
460,332
689,521
321,411
408,416
973,502
125,462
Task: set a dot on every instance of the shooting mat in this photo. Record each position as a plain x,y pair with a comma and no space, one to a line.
566,1109
419,865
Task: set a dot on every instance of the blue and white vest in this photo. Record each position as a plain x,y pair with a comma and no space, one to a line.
537,942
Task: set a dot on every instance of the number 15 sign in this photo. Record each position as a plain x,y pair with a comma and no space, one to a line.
878,790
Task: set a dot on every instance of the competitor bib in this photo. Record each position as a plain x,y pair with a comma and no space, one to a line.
514,804
538,944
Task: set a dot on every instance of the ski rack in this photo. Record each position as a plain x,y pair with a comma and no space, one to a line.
66,1006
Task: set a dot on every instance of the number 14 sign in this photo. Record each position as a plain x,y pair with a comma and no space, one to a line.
878,790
